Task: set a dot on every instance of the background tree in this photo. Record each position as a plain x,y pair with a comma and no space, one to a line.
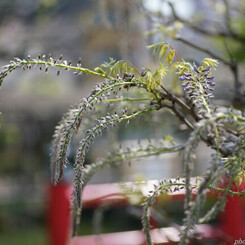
214,22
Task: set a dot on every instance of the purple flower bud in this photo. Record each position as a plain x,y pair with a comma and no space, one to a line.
143,72
212,84
187,74
206,69
189,79
206,74
195,69
210,78
185,84
188,88
182,78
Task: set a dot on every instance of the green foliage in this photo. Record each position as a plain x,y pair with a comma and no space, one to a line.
171,31
163,50
210,62
24,237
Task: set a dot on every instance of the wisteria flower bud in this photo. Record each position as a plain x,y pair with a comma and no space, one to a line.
185,84
189,79
206,69
211,78
187,74
195,69
182,78
143,72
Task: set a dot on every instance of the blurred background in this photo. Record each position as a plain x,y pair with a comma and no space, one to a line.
33,102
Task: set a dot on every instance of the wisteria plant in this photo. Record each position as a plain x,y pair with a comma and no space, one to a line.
224,132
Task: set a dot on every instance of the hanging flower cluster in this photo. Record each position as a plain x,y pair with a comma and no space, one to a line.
198,83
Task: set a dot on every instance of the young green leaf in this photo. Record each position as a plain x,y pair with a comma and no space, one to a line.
170,56
163,50
210,62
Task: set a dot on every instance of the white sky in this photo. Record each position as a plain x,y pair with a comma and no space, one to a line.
184,8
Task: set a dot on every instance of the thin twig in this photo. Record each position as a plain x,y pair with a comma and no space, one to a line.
232,35
181,117
184,106
195,46
227,16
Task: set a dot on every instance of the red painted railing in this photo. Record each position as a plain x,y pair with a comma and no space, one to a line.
231,225
58,214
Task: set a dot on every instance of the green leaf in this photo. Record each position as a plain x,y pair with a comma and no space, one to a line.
182,67
150,81
99,70
152,46
163,50
112,61
210,62
170,56
163,71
